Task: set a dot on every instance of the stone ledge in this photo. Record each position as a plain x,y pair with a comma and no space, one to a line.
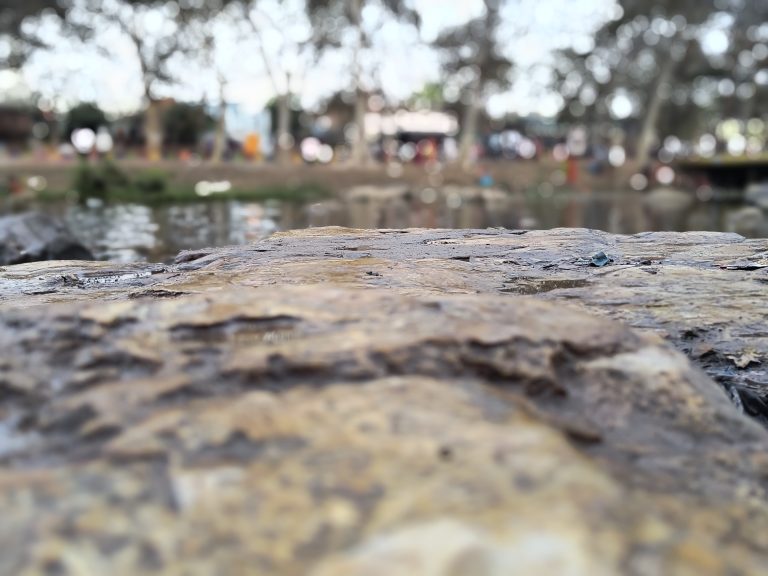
348,402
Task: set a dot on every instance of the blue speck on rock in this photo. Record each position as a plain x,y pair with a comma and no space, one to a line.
600,259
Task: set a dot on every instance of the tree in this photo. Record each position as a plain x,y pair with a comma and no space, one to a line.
286,49
677,23
746,61
156,30
660,61
184,123
430,96
473,53
14,12
85,115
330,18
202,38
21,39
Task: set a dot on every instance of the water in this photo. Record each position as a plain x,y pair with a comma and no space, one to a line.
135,232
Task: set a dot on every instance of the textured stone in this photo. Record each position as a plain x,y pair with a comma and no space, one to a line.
336,402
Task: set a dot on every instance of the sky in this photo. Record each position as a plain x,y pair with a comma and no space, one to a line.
107,72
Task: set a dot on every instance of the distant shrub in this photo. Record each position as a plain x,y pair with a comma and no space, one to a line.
185,124
113,176
106,180
151,181
84,116
89,182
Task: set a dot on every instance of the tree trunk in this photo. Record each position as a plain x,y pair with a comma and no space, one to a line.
475,104
56,126
284,140
360,153
648,132
220,137
469,128
153,131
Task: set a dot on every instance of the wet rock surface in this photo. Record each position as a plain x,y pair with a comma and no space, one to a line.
31,237
348,402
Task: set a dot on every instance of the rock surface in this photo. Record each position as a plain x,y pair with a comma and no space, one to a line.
343,402
31,237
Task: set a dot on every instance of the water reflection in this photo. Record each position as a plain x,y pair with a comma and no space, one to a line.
120,232
133,232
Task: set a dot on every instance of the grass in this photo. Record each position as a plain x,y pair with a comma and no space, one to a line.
106,181
725,160
182,194
186,194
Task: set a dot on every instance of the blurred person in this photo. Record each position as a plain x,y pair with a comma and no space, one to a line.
572,171
599,159
485,178
14,185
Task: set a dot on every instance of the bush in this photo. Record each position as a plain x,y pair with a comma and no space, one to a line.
184,124
95,181
84,116
113,176
151,181
106,180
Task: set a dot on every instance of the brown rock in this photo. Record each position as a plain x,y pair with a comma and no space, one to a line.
337,402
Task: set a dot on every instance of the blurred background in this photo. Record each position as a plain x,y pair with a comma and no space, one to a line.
154,126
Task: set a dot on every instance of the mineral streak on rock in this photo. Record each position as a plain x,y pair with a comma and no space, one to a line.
342,402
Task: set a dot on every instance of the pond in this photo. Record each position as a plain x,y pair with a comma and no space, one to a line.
136,232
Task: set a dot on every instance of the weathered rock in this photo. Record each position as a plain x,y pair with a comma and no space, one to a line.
32,236
335,402
748,220
757,194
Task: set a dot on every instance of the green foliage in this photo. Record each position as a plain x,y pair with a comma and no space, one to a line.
84,115
113,175
296,112
106,180
96,181
183,124
631,52
13,13
430,96
327,15
151,181
21,41
186,194
330,18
